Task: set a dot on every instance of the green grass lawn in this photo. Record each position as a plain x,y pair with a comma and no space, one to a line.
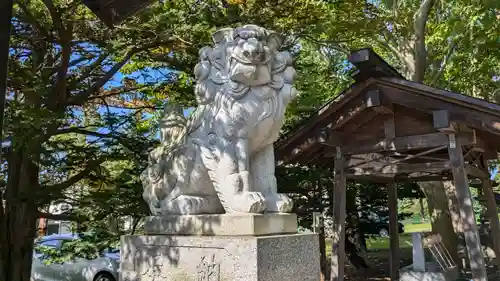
378,243
418,227
381,243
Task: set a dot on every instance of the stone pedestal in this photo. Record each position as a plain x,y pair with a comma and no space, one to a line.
222,225
246,257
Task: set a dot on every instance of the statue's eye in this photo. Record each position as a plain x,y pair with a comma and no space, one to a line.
246,53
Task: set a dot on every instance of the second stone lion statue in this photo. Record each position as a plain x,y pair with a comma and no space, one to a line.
221,158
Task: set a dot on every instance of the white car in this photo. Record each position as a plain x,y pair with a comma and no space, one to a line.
104,268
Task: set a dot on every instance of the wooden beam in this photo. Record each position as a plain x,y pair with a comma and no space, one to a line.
422,177
393,230
375,100
367,116
476,172
467,216
474,104
382,169
406,143
390,127
370,178
319,119
313,159
414,177
372,99
291,156
346,115
441,120
357,160
465,112
339,216
422,155
369,64
492,214
483,147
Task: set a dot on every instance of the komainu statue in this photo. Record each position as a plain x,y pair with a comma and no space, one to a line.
221,158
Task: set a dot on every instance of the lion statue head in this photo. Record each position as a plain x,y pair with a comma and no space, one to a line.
244,58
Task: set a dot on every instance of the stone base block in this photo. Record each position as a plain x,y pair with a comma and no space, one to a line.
433,273
292,257
222,224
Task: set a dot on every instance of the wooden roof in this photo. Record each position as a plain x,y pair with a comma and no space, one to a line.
389,126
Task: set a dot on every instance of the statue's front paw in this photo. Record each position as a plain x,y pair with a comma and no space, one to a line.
278,203
247,202
246,180
182,205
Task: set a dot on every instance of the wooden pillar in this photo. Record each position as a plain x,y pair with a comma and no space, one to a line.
319,228
467,217
393,230
492,214
339,215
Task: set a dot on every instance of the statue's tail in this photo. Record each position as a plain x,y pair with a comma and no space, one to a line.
173,125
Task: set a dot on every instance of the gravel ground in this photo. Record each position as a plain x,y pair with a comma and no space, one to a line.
379,267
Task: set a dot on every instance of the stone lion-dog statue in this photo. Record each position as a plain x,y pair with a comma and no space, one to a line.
221,158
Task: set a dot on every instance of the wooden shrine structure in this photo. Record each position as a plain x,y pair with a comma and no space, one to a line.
387,129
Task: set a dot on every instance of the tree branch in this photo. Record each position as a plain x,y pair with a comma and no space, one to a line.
58,217
55,15
145,106
80,60
33,20
400,54
80,130
116,91
87,70
420,52
61,82
172,62
91,165
443,64
82,97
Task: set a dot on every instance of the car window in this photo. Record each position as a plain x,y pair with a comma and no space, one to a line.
55,243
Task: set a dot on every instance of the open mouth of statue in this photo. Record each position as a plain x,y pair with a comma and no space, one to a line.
249,74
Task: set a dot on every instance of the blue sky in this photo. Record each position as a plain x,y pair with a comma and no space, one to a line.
146,76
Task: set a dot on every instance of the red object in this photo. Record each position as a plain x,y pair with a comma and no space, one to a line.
42,226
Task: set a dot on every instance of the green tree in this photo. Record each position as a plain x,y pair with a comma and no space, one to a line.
60,128
67,76
439,43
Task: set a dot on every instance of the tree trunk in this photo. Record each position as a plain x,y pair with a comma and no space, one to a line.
434,191
422,210
353,232
5,27
19,218
439,214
